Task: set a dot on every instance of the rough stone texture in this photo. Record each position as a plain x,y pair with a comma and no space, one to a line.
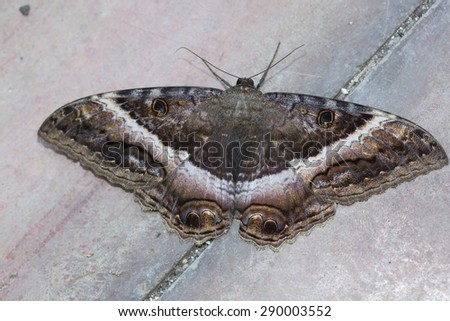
67,234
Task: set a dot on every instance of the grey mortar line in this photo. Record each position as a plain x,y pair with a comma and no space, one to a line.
378,57
177,270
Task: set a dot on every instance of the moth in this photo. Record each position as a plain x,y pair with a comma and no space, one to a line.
278,163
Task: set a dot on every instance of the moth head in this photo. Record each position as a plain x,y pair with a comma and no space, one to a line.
245,82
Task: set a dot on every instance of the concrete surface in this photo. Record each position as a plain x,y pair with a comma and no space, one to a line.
68,235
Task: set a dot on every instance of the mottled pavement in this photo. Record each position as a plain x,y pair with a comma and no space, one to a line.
68,235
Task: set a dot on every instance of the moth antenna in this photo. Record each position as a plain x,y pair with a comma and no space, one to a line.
265,71
263,78
223,81
209,65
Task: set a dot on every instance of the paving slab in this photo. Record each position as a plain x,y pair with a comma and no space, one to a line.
67,234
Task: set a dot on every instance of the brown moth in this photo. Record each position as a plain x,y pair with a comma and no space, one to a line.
279,163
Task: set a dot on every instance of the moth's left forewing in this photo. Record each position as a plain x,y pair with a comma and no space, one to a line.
99,131
144,119
362,150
